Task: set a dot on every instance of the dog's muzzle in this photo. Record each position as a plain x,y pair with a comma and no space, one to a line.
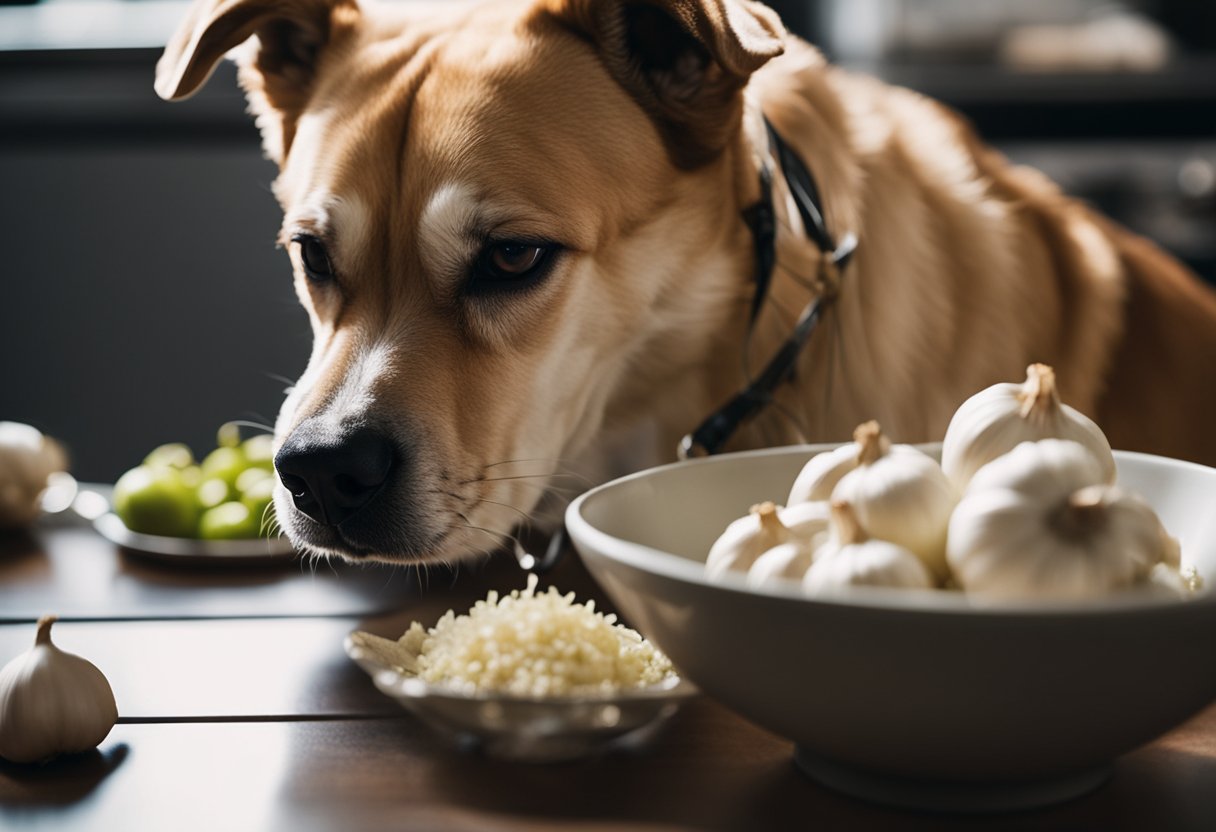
332,476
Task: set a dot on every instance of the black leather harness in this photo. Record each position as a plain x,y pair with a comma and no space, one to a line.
761,218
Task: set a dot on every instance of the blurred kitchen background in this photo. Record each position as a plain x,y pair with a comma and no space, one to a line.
143,300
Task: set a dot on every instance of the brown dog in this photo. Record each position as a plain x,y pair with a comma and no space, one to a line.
517,228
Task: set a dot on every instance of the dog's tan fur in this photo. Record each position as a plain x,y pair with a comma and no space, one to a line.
392,124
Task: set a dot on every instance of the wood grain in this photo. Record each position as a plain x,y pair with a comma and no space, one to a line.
250,723
708,770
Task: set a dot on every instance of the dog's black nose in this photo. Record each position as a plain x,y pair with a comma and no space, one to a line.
331,478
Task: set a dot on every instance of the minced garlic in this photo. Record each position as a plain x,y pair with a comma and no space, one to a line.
530,644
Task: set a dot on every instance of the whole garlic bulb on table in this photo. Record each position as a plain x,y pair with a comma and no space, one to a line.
851,558
996,420
52,703
901,495
27,459
1041,522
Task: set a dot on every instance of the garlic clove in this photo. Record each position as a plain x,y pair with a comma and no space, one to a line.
1134,528
996,420
52,702
900,495
745,540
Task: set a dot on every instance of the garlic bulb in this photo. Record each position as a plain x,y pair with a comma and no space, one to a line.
851,558
27,459
901,495
996,420
809,529
745,540
52,702
785,562
805,520
1041,522
821,473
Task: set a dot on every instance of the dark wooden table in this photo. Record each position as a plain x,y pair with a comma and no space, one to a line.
241,712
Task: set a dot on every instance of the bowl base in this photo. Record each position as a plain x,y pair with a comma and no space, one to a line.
947,796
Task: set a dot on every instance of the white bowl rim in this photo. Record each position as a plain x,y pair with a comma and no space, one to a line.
914,601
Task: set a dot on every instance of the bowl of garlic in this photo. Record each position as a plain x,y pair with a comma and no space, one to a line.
979,625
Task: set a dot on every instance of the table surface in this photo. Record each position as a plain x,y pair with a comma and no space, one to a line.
243,713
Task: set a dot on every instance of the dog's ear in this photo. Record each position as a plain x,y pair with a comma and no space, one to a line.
685,61
276,71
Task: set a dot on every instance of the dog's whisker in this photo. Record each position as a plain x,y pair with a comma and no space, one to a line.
524,524
246,423
502,535
269,521
557,475
279,378
519,511
557,460
566,493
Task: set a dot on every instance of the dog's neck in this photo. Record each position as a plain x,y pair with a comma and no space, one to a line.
872,356
693,366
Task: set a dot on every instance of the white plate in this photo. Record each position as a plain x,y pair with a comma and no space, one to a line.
112,529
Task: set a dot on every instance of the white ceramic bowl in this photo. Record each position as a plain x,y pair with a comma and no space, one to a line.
914,698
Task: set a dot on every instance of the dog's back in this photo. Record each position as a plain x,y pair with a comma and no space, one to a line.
970,268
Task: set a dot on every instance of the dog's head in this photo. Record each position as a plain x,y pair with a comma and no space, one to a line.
492,213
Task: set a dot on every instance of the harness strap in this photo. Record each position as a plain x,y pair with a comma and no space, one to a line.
761,219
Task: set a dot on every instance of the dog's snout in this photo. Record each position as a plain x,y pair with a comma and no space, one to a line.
332,478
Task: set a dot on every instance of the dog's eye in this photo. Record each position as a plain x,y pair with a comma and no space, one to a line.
510,264
515,259
314,257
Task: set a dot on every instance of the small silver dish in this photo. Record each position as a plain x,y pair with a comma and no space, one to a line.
530,729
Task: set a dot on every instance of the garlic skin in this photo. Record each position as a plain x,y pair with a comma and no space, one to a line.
1041,522
806,520
786,562
821,473
996,420
745,540
899,495
27,459
851,558
52,703
1050,469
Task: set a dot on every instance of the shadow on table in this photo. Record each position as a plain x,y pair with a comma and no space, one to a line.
62,782
18,545
1162,790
